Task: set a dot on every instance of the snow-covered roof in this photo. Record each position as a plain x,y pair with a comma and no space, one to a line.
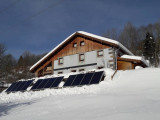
86,34
107,40
135,58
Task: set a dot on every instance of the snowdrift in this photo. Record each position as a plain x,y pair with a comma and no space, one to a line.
132,94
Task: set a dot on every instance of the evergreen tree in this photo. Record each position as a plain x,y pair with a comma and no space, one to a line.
149,48
157,50
20,62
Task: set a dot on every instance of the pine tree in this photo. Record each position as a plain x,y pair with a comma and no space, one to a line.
149,48
20,61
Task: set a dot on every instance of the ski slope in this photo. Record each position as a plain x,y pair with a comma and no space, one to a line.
131,95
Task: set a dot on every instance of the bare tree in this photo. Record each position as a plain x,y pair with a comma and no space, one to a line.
157,40
113,34
128,37
2,51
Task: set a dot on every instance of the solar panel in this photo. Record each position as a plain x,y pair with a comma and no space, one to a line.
34,87
97,77
50,82
78,79
28,83
43,83
87,78
11,87
20,86
69,80
16,86
57,82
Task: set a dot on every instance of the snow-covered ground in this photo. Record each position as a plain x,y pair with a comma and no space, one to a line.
131,95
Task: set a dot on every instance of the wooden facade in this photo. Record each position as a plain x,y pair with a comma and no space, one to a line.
124,65
127,64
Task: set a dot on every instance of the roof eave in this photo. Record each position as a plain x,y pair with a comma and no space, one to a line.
142,61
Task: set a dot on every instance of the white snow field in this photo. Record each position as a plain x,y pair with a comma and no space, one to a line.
131,95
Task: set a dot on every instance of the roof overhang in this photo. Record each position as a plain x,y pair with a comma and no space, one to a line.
134,59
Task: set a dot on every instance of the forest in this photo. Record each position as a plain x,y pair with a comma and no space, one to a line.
141,41
12,69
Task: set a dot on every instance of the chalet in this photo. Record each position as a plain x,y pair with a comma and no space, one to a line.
84,51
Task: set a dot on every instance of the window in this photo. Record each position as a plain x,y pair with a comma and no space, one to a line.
80,70
82,43
48,67
73,70
99,53
60,61
100,67
60,72
81,57
74,45
40,73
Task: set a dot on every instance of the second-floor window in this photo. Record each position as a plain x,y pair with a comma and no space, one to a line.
60,61
81,57
99,53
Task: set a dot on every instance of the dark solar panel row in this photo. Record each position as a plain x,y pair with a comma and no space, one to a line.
73,80
47,83
84,79
19,86
40,84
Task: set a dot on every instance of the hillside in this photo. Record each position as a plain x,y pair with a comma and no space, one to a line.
131,95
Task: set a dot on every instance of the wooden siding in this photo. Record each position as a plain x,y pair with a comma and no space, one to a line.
68,49
123,65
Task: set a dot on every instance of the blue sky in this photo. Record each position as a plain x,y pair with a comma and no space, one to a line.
39,25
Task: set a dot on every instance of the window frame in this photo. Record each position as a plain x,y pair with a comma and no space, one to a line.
49,65
74,70
75,45
59,61
81,70
98,55
82,43
100,67
60,72
81,60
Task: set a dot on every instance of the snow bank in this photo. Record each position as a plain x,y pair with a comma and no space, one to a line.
131,95
107,40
